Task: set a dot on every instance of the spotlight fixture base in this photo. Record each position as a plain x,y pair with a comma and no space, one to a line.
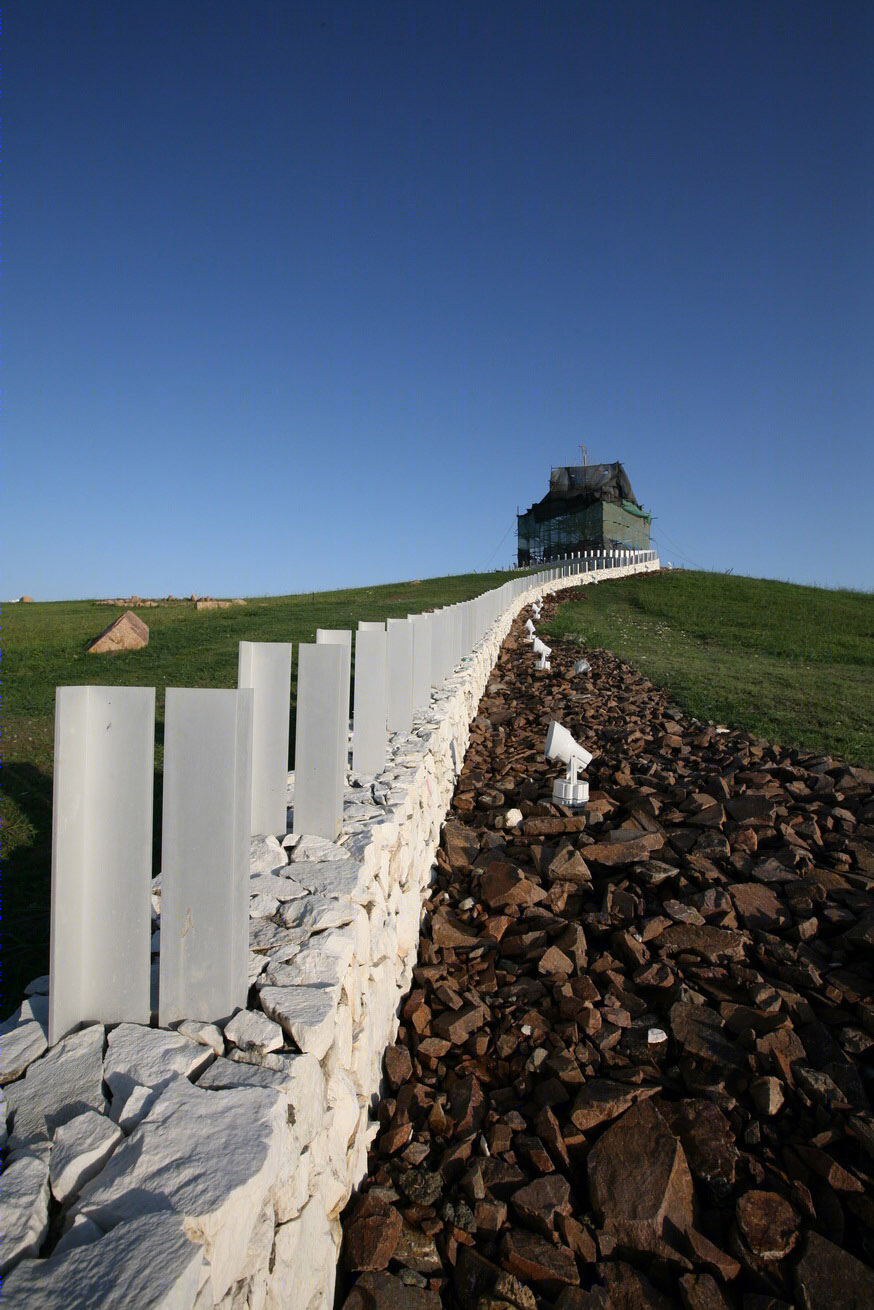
565,792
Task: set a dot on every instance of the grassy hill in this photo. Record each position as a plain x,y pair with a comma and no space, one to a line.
792,664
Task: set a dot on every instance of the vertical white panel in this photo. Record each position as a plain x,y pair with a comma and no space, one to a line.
339,637
454,636
369,716
205,854
467,628
101,856
421,625
436,646
321,739
400,675
265,666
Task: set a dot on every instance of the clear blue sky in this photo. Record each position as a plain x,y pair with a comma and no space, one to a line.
305,296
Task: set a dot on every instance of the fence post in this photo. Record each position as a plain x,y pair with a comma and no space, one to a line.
421,625
321,738
339,637
369,715
205,854
265,666
399,666
101,856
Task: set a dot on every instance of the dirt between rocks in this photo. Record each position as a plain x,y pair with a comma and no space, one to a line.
634,1069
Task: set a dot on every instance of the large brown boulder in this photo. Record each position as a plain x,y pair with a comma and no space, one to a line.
639,1182
127,633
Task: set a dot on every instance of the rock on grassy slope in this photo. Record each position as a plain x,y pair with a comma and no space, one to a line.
635,1065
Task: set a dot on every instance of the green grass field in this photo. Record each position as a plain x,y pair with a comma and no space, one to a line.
44,647
791,664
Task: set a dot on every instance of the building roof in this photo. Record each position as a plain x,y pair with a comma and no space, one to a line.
597,481
584,484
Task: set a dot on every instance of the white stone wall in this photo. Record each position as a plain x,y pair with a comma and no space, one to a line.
206,1168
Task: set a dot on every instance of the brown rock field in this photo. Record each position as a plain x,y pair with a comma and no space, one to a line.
634,1067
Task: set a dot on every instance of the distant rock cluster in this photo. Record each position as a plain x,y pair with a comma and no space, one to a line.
200,602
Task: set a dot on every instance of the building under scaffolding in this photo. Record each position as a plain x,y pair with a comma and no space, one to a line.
589,507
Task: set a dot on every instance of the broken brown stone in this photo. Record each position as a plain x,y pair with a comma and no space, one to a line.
768,1224
639,1181
601,1100
569,866
460,844
827,1276
398,1065
504,885
456,1025
380,1291
554,962
538,1203
702,1292
370,1238
535,1260
617,854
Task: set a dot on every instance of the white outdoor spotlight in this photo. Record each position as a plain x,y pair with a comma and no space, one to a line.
560,745
530,629
537,607
582,666
544,652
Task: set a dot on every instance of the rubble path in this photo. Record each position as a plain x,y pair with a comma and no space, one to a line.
634,1069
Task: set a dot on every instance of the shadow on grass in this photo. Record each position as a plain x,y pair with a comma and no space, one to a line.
26,886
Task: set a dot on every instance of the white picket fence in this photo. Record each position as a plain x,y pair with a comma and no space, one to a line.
225,776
